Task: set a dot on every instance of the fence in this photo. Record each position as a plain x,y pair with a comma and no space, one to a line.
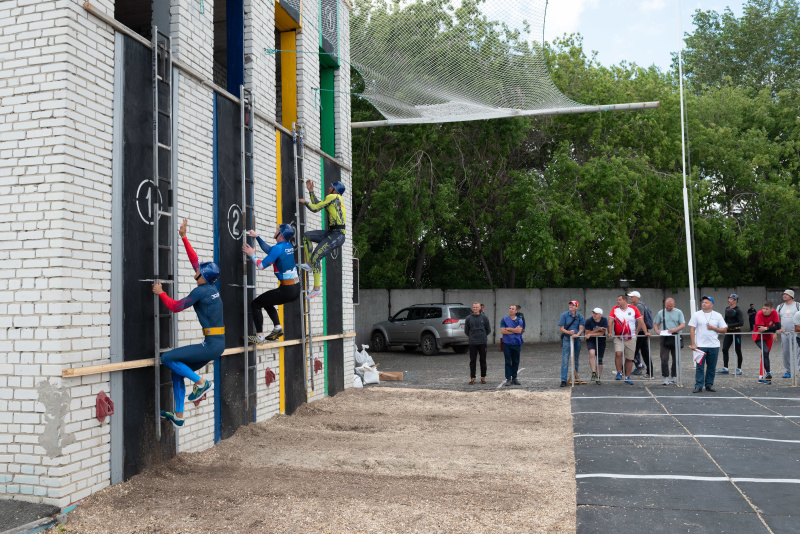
790,337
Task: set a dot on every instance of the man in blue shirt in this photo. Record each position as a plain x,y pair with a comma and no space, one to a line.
281,257
571,324
511,328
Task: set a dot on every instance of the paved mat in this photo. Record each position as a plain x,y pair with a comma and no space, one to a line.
659,459
14,514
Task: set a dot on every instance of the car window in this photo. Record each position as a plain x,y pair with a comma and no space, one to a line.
402,315
459,313
434,313
416,313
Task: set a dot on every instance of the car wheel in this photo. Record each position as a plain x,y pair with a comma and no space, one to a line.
460,349
429,347
378,342
410,348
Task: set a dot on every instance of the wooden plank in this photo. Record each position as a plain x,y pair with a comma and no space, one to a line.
149,362
391,376
105,368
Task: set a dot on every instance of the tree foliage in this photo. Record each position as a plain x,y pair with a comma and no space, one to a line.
586,200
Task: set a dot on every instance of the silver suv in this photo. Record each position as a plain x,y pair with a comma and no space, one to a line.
430,326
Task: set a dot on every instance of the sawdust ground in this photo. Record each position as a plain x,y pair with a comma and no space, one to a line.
372,460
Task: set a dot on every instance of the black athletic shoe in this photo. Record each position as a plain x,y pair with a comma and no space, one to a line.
711,389
515,382
507,382
563,384
697,390
275,334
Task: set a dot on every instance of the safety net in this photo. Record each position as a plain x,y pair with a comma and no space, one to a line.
453,60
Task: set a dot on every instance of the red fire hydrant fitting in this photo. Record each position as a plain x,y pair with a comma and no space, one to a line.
105,406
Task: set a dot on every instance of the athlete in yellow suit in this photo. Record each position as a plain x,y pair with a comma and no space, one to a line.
329,239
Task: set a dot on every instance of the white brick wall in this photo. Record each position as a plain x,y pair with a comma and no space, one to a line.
56,92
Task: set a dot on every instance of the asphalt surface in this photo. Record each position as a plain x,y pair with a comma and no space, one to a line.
17,513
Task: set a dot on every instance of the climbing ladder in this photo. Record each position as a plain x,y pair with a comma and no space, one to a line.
163,241
305,312
247,119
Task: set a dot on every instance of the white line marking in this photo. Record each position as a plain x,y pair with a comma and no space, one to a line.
707,436
695,397
686,414
691,477
518,372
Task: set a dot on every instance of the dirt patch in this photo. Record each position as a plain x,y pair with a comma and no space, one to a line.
373,460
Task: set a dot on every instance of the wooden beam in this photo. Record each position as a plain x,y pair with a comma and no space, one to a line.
149,362
391,376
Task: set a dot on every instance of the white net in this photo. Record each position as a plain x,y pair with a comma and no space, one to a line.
453,60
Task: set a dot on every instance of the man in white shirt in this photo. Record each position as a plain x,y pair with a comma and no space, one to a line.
705,327
787,311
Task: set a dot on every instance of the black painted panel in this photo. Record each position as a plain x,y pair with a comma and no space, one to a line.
293,356
140,446
230,226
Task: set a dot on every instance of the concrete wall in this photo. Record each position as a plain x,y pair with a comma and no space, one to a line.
542,308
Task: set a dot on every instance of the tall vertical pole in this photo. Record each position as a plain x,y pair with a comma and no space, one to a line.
156,210
245,221
692,301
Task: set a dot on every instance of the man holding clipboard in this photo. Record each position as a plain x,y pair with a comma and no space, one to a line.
705,327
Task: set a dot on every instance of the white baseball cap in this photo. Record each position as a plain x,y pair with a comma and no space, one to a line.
635,294
598,310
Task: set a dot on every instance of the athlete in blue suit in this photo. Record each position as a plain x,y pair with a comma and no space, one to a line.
185,361
281,257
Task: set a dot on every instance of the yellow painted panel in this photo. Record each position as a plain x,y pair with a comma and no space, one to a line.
284,21
288,79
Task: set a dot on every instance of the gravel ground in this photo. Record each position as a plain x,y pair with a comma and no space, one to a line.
373,460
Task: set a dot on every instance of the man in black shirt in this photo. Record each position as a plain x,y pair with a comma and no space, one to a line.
751,313
734,318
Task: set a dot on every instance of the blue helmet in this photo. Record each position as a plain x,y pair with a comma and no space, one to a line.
339,186
210,271
286,231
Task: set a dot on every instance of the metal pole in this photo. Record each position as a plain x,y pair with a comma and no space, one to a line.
572,359
678,358
245,259
156,209
692,300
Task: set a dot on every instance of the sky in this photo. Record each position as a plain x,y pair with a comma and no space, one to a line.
640,31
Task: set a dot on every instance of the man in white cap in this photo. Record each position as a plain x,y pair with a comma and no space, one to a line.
787,311
596,328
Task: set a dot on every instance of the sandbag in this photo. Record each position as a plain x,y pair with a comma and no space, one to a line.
371,375
361,358
357,382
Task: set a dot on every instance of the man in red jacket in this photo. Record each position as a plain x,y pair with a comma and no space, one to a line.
768,322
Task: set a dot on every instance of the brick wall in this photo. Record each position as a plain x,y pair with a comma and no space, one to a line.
56,100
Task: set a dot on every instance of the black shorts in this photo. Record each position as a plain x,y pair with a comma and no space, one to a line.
599,346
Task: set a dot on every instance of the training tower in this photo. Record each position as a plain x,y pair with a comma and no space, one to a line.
117,120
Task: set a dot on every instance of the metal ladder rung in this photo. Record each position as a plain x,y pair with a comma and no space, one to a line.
164,179
165,147
162,351
165,213
165,247
165,113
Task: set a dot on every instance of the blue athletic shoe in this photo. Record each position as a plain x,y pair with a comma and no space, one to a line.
177,422
787,375
723,371
619,376
628,381
638,370
199,391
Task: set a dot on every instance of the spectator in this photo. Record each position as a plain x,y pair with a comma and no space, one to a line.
522,317
786,311
511,328
751,314
734,318
705,327
483,308
571,324
767,322
477,328
642,355
625,318
670,319
596,328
